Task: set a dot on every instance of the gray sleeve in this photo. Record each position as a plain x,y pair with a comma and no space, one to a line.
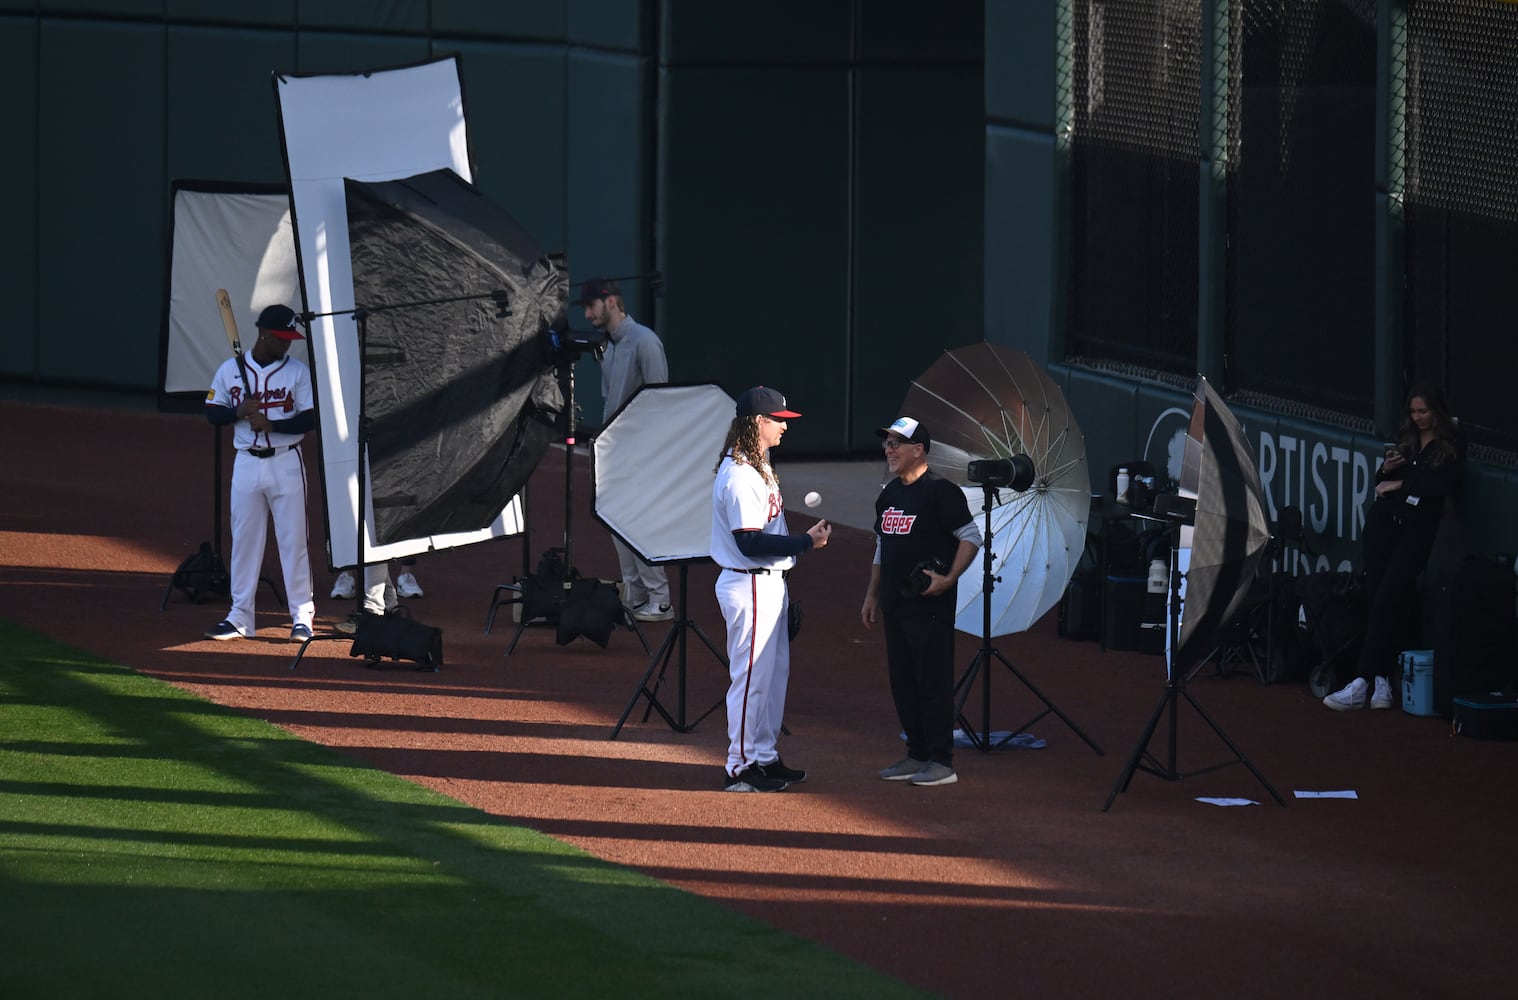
969,532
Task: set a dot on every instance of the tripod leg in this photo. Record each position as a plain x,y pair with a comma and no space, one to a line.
1124,778
1047,703
722,659
1236,752
660,659
962,688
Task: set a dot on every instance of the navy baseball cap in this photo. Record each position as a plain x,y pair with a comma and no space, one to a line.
763,400
909,429
279,321
597,288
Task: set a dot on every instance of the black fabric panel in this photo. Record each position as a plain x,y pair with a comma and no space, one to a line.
461,401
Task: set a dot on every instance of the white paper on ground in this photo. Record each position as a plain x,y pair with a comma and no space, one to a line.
1346,794
1226,802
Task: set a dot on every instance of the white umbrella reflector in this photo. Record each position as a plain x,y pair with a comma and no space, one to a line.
986,402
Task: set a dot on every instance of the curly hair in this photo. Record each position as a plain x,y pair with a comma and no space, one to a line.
1442,447
743,444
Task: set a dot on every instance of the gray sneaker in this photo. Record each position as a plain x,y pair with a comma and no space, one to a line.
934,773
903,769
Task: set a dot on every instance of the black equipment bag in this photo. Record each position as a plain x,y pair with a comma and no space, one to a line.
202,574
1475,648
1080,609
1484,716
591,608
543,592
398,637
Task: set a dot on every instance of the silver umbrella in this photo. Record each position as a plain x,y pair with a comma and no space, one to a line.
1232,530
985,402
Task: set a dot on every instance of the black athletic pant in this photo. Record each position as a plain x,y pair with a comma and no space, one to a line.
1398,540
920,660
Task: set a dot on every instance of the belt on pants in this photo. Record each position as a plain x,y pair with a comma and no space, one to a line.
267,452
782,573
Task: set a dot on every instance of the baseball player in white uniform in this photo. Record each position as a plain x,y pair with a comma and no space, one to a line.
267,396
751,544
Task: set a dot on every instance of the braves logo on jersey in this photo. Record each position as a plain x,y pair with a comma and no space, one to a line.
275,398
895,521
776,506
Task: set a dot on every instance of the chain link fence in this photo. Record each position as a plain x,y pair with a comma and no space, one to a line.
1300,80
1456,156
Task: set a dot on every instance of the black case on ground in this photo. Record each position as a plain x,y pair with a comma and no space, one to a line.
1485,716
396,636
1474,650
1080,609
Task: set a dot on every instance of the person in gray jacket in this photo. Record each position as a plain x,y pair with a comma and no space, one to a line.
634,357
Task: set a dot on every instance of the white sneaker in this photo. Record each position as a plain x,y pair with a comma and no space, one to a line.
1382,696
1350,696
406,585
342,588
651,612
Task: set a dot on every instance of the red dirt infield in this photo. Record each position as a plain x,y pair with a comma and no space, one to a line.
1013,881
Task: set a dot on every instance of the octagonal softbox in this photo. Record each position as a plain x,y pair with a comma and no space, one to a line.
654,465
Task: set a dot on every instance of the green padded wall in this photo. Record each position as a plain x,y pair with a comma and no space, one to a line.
608,192
101,198
18,256
754,205
917,281
222,123
1024,215
518,131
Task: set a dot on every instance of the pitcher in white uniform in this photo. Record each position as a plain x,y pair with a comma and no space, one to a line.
751,542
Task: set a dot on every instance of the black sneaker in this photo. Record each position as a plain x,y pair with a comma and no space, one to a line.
777,769
753,779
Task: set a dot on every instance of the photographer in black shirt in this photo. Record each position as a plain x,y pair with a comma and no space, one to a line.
924,539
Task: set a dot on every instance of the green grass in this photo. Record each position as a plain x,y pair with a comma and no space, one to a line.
154,844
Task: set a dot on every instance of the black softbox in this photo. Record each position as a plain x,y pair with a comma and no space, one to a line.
459,386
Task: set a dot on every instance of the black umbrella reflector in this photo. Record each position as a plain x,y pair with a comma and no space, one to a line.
459,387
1231,532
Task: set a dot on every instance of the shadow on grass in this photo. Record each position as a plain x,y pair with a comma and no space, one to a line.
153,843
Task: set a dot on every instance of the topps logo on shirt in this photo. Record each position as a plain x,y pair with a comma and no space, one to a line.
896,522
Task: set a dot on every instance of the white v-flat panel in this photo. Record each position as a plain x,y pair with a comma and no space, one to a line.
377,126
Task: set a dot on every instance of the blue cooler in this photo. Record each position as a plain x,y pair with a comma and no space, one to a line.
1418,681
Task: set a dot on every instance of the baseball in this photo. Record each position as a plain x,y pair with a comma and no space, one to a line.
813,499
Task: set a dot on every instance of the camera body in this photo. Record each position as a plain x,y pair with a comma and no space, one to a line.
918,581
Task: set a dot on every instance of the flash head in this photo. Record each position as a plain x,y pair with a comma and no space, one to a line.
1016,472
570,344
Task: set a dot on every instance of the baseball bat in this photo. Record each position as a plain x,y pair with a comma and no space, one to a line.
224,302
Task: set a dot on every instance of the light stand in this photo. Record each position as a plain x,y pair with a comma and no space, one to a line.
982,663
674,641
1175,690
361,316
567,381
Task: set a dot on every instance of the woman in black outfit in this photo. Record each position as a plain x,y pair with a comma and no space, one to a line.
1416,483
